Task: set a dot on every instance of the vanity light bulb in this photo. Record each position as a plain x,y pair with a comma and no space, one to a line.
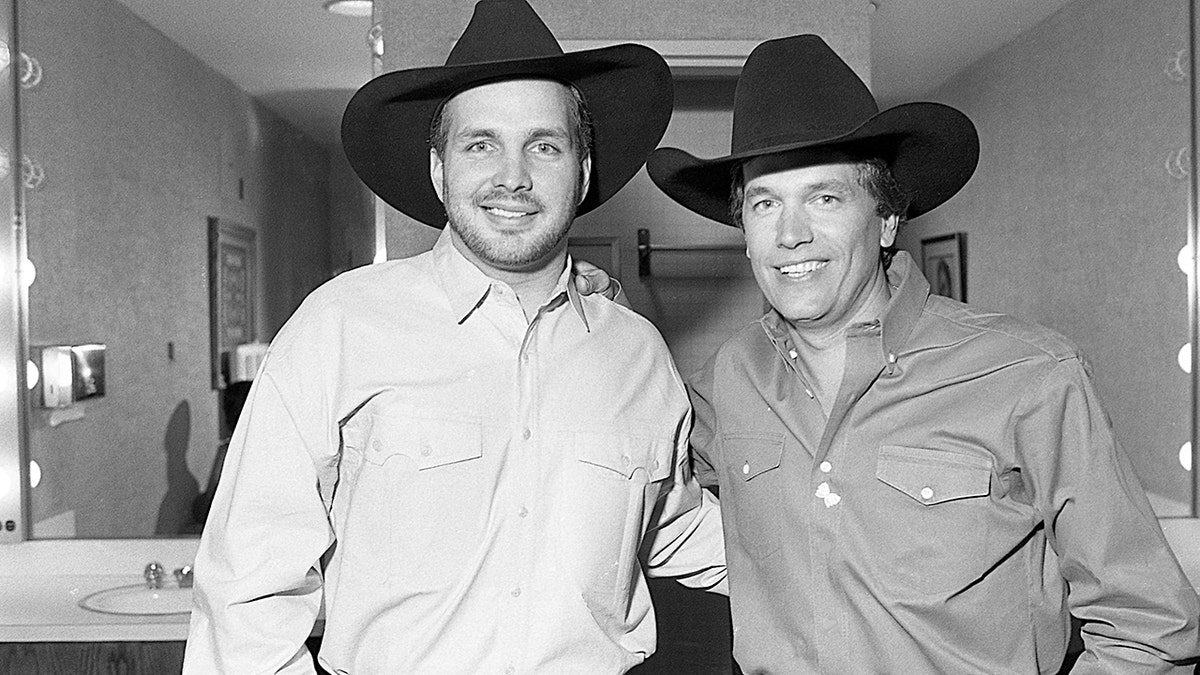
32,375
1185,358
27,273
35,474
1185,259
1185,456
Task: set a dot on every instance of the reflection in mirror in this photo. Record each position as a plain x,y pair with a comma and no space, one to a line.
141,144
1074,220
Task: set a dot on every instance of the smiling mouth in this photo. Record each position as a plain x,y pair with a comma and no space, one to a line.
506,213
800,270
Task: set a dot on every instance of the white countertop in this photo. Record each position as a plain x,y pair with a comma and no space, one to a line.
42,582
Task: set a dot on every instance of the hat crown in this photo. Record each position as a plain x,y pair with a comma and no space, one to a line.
797,90
503,30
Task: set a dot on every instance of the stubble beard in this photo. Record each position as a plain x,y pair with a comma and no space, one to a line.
503,250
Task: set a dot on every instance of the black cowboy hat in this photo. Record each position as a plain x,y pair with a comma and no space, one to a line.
796,93
627,89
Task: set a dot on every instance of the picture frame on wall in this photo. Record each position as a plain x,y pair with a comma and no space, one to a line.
944,262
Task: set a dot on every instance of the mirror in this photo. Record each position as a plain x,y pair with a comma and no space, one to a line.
1075,219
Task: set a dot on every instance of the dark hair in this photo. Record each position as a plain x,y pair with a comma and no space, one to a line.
581,125
874,175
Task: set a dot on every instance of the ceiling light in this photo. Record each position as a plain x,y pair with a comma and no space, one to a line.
349,7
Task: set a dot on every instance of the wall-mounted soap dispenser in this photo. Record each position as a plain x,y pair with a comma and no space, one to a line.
67,374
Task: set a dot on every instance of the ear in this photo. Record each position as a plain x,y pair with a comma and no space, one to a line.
887,235
585,176
436,174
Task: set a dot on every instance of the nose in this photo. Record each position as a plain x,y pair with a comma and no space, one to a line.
792,229
513,172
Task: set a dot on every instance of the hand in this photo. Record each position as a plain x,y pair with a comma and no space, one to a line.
591,279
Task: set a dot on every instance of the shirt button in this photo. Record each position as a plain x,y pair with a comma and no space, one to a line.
746,469
510,670
426,450
826,467
376,444
516,592
522,512
625,461
792,353
526,433
927,493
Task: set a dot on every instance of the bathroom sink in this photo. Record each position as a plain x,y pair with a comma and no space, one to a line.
139,600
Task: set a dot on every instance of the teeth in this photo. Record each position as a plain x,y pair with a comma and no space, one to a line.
503,213
803,268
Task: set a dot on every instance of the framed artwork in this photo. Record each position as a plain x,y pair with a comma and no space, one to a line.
232,289
603,252
944,262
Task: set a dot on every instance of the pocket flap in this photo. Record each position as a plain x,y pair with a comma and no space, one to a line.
624,455
934,476
750,455
426,442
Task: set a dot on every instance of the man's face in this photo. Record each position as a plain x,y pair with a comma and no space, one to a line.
813,239
510,176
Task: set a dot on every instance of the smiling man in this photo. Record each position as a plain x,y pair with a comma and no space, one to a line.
909,484
417,457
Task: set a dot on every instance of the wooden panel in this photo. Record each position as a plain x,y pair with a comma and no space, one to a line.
88,658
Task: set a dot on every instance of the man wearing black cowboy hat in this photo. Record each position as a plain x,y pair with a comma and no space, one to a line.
909,485
417,456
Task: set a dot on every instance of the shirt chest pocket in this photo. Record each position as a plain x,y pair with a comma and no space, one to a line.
618,457
753,486
934,477
420,502
933,518
606,497
423,444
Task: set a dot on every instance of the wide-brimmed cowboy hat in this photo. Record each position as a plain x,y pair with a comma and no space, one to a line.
627,89
796,93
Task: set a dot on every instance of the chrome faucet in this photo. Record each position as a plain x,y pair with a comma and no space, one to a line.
153,574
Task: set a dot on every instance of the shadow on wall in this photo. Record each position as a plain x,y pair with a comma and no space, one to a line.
175,512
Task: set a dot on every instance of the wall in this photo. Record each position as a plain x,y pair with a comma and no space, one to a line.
1072,219
141,143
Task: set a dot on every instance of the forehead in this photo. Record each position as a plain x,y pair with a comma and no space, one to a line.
531,102
799,168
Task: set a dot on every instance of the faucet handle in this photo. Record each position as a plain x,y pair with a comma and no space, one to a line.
153,574
183,576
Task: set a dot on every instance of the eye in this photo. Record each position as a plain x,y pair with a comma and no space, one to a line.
827,200
763,205
478,146
545,148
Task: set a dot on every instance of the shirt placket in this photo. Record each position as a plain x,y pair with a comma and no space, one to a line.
525,450
863,345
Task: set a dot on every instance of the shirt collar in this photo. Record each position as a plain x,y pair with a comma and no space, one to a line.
467,287
909,292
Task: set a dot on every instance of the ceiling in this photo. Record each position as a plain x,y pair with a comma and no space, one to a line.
304,62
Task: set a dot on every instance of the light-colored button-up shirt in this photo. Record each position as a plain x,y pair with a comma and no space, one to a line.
465,490
964,494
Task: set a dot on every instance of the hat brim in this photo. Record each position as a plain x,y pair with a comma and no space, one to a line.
932,149
627,89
